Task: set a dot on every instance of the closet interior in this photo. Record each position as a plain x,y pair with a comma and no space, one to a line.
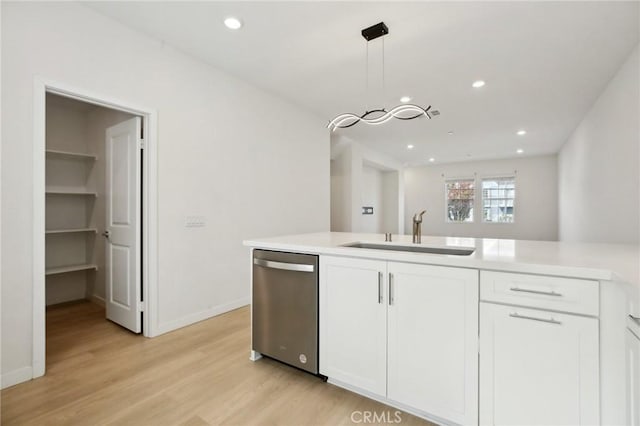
75,198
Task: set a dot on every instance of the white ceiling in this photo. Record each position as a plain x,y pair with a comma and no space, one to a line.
545,63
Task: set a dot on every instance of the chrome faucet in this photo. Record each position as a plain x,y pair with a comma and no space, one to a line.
417,227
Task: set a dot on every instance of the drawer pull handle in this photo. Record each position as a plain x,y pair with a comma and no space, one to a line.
379,287
550,321
546,293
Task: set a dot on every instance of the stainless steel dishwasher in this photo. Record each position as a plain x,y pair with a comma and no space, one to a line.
285,308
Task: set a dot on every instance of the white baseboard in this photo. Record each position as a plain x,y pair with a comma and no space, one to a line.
433,419
14,377
97,300
200,316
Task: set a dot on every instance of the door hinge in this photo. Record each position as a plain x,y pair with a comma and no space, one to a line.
141,306
142,144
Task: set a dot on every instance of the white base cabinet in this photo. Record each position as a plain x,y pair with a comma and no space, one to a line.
404,332
633,378
537,367
353,322
433,340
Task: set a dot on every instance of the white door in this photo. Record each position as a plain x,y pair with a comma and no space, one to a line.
433,340
353,322
537,367
123,225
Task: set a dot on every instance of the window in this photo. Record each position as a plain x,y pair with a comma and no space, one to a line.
498,195
460,195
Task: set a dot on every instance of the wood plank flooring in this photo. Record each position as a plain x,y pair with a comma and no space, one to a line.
99,374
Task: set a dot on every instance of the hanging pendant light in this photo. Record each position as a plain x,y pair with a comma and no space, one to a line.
377,116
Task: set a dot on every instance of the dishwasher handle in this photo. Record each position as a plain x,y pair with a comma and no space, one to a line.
296,267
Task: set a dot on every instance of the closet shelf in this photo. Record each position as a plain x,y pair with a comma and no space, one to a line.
70,268
56,192
68,231
71,155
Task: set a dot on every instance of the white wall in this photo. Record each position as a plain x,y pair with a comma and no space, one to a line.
353,186
225,152
535,203
340,169
598,167
372,197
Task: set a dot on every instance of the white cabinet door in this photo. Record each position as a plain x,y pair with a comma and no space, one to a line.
433,340
537,367
353,322
633,378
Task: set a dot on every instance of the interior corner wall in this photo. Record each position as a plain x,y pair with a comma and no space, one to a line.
536,200
224,153
349,182
598,167
341,192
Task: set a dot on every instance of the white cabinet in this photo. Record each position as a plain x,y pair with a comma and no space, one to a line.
537,367
423,318
633,377
433,340
353,322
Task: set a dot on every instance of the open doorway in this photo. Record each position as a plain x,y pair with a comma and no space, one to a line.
93,217
95,202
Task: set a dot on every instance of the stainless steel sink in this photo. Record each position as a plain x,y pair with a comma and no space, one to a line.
457,251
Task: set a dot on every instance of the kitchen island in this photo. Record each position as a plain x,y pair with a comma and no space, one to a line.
515,332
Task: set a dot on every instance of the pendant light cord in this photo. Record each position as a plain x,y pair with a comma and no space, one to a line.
384,86
367,79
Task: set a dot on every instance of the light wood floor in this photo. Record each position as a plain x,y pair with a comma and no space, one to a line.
98,373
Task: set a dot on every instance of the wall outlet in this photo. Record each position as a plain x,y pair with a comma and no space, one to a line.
195,222
367,210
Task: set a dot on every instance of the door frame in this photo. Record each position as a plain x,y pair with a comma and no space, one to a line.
149,205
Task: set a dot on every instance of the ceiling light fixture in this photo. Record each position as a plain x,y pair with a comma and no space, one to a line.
405,99
478,84
521,132
450,132
431,160
409,146
377,116
520,151
233,23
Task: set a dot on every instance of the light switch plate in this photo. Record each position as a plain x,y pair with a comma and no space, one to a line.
195,222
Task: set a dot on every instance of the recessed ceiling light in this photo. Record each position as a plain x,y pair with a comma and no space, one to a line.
431,160
478,84
521,132
409,146
405,99
233,23
450,132
520,151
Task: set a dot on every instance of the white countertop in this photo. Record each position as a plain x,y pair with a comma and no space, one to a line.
610,262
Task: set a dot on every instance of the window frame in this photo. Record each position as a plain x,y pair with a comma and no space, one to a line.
482,198
446,199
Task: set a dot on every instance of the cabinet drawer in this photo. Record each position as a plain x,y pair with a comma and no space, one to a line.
538,291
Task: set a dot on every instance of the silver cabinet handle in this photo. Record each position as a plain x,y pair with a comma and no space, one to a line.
391,299
297,267
106,234
380,287
546,293
550,321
